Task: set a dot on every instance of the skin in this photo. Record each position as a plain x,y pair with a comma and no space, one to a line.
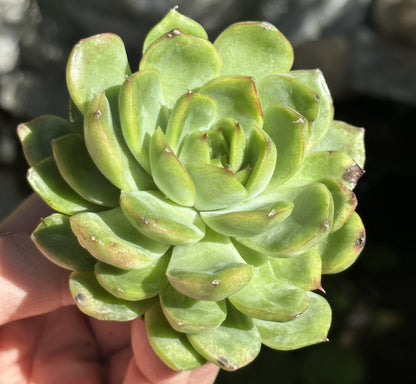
45,339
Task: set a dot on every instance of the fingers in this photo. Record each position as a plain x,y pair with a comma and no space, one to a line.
156,371
29,284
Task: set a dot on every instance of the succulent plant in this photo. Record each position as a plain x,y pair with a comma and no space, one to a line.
208,191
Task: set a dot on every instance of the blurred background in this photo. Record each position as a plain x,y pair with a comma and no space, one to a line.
367,51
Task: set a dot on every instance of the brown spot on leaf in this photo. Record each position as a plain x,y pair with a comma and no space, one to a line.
360,241
223,362
353,174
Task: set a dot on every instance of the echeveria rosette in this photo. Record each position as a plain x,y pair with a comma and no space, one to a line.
207,191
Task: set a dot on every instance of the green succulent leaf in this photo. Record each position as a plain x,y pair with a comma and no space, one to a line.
232,345
133,284
95,65
189,315
95,301
344,138
169,173
185,62
174,20
170,345
79,171
309,328
45,179
343,246
107,148
254,49
303,271
54,238
289,131
308,223
36,136
140,107
211,269
110,237
158,218
315,81
268,297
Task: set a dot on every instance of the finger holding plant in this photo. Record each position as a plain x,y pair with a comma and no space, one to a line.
208,191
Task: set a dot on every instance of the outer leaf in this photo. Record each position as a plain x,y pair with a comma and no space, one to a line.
36,136
254,49
309,328
288,130
94,301
285,90
106,147
232,345
159,219
345,138
211,269
48,183
96,64
236,98
171,346
343,246
308,223
140,106
184,62
54,238
133,284
315,81
168,172
267,297
173,20
190,315
304,270
109,237
79,171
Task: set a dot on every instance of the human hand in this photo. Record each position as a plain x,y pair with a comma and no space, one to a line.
45,339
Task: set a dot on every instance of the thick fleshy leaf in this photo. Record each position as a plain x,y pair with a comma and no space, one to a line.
268,297
110,237
308,223
232,345
343,246
140,106
287,91
133,284
288,130
174,20
237,222
171,346
158,218
236,98
107,148
185,62
216,187
345,202
193,111
79,171
54,238
95,301
211,269
95,65
345,138
261,158
36,136
315,81
169,174
328,164
189,315
254,49
309,328
304,270
47,182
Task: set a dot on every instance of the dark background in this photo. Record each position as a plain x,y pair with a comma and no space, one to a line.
367,51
